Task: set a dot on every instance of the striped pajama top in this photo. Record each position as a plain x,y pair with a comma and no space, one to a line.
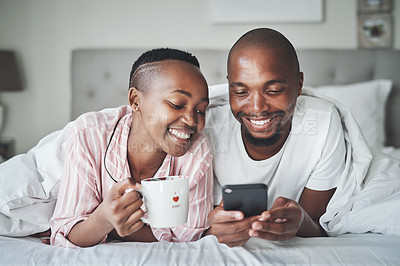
85,181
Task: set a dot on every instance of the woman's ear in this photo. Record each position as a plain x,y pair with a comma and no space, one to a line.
134,99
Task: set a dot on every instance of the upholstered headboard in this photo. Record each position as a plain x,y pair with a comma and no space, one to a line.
100,76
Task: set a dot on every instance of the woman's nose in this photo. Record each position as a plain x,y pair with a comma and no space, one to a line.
190,118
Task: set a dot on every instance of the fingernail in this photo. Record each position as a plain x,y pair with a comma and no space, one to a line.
266,216
253,233
257,226
238,216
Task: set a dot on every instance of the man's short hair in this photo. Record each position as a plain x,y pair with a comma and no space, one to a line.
267,38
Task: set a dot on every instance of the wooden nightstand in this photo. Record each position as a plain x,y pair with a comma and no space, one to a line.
6,148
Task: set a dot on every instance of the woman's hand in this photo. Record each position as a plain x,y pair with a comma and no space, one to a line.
121,207
120,210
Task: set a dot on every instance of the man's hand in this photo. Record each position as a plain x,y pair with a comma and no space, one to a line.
230,227
281,222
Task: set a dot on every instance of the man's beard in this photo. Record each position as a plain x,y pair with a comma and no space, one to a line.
263,142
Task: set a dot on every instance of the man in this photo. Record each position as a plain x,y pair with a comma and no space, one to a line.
270,134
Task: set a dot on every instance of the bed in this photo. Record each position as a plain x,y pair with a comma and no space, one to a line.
367,81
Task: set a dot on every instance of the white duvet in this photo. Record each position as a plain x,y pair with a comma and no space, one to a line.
367,198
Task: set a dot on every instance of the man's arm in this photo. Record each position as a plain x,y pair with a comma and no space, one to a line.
287,218
314,203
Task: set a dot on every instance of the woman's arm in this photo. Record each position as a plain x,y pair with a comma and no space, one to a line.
119,210
144,234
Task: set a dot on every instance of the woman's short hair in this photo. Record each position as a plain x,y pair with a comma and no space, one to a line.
147,63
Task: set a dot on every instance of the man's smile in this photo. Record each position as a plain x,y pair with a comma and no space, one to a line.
260,124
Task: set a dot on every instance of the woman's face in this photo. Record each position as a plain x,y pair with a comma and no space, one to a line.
172,108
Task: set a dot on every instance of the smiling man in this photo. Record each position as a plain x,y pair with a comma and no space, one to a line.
271,134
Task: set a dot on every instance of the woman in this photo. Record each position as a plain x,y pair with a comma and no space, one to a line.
111,151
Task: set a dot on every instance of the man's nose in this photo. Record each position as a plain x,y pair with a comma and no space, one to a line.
259,103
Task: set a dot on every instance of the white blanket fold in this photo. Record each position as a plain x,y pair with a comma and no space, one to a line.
370,181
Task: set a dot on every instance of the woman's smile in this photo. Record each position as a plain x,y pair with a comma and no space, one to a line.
181,136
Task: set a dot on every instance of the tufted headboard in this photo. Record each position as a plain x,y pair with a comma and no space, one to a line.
100,76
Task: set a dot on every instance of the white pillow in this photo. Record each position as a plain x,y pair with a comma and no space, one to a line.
367,102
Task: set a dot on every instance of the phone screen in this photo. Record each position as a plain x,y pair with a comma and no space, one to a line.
251,199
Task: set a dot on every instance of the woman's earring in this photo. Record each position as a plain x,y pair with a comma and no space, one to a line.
137,108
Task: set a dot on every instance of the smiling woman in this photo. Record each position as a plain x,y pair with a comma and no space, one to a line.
157,134
169,111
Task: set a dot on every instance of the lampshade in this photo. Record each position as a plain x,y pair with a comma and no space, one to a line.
10,79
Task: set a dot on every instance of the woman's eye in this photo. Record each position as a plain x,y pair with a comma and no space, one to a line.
175,106
200,112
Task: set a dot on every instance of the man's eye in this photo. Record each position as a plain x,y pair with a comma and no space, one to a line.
240,92
275,91
175,106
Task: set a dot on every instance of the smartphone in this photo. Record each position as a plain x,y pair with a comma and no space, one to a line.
251,199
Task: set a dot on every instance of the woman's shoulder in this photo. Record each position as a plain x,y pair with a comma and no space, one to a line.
103,119
197,161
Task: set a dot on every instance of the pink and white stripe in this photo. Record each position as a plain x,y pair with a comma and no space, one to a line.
85,182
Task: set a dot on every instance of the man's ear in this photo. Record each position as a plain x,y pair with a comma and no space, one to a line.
134,99
301,80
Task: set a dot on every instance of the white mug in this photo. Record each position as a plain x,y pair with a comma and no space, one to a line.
166,200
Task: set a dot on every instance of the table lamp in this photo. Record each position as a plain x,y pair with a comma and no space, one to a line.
10,79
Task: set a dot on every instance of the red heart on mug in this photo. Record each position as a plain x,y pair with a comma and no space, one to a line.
176,198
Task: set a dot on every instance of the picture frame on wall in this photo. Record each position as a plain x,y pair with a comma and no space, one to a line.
266,11
367,6
375,31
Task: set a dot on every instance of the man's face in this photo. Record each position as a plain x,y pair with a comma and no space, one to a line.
263,88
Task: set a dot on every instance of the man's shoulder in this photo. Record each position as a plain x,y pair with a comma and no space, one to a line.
305,102
200,148
220,122
313,104
313,119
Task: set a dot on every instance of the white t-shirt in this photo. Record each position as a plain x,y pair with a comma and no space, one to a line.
313,156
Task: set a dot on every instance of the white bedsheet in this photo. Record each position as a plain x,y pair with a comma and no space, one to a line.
392,151
362,249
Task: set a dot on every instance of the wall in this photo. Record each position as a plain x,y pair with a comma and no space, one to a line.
44,32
